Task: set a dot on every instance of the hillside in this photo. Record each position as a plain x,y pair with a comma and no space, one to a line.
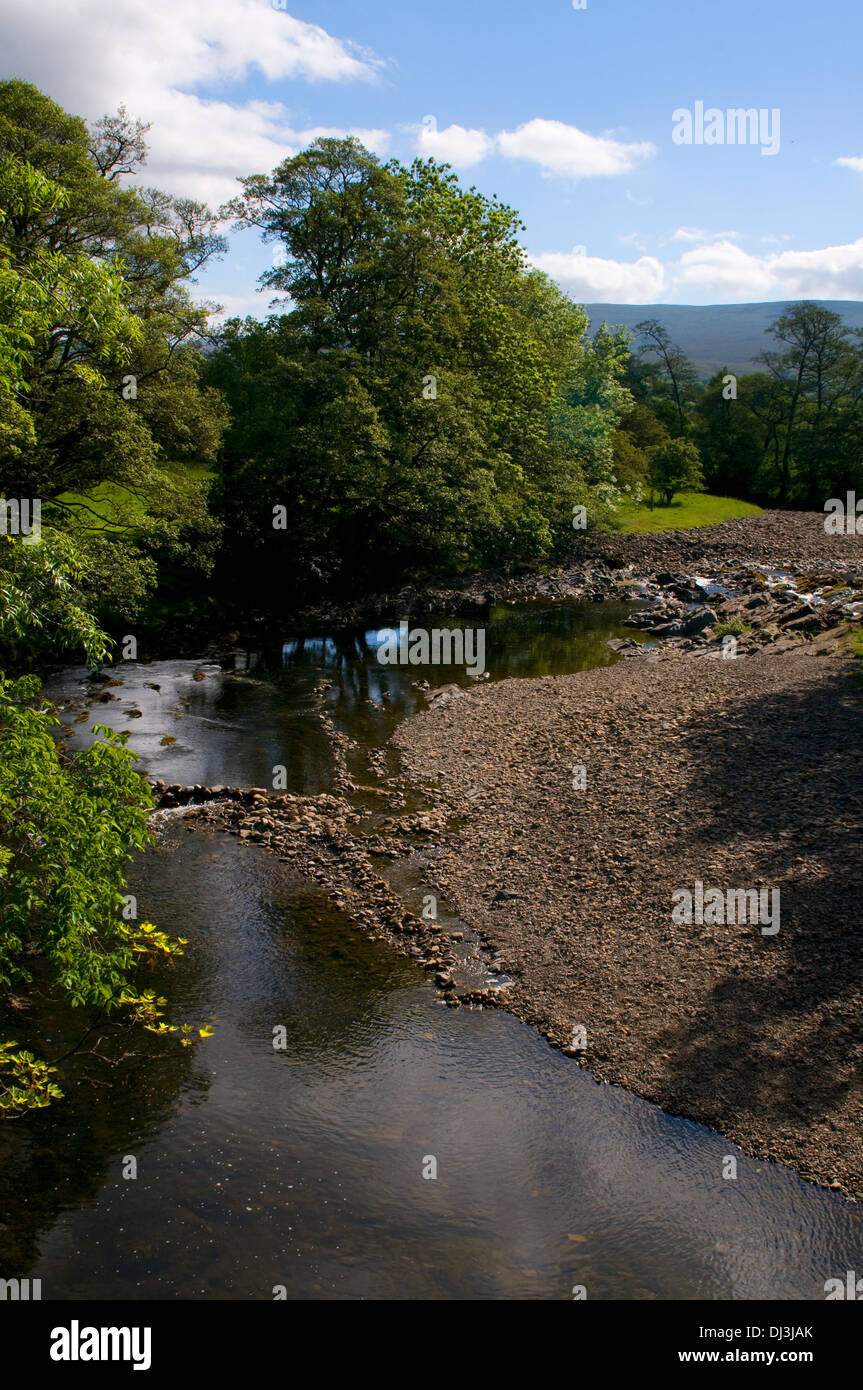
717,335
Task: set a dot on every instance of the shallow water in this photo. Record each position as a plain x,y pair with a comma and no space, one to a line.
303,1168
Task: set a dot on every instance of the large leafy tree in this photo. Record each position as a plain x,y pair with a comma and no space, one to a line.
672,465
427,401
735,431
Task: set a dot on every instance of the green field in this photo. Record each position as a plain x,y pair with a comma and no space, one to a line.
112,507
687,509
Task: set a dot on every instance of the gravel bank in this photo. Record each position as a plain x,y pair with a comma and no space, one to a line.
738,774
777,538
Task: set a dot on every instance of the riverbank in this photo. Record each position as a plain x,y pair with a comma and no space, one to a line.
322,837
737,774
598,564
594,567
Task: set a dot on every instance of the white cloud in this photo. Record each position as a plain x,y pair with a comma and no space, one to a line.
199,147
592,279
565,150
256,306
227,306
156,58
718,271
727,271
558,149
690,234
854,162
698,235
454,145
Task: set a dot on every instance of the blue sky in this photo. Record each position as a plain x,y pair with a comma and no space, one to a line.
565,113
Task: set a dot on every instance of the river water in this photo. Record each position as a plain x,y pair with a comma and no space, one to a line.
263,1172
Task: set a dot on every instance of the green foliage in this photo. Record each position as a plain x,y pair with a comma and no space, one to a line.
428,403
99,359
671,465
790,433
67,826
40,602
735,628
673,369
67,830
639,430
25,1082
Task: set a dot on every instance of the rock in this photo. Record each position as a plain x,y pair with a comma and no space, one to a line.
808,622
445,694
804,610
697,621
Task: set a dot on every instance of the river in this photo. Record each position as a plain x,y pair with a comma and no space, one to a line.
262,1172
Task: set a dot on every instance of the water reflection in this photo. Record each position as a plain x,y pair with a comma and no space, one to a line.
233,727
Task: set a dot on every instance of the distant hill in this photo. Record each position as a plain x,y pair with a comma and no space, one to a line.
717,335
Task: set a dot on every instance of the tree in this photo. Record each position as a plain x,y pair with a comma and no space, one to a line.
428,401
639,430
679,372
110,402
731,438
67,830
672,465
815,345
68,825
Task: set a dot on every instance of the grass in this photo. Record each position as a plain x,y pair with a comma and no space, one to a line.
112,507
735,628
856,647
687,509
